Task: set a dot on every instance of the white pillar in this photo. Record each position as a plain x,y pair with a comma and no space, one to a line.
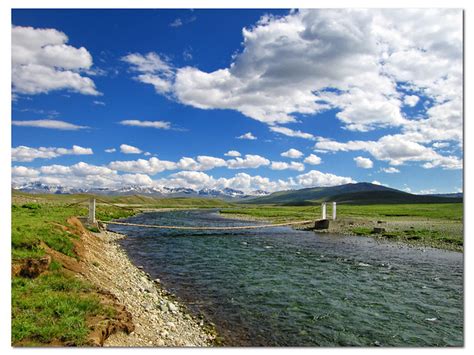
91,218
323,210
334,211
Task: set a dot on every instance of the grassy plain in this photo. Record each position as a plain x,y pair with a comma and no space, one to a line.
435,225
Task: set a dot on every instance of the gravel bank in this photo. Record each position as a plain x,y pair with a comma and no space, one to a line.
159,319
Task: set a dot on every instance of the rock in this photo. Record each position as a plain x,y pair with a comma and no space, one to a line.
378,230
164,308
321,224
379,222
157,281
172,307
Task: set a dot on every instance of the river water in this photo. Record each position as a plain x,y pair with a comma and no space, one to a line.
282,287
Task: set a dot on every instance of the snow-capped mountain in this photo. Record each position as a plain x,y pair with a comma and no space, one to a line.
162,191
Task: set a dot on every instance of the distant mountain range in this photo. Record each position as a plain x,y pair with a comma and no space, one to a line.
358,193
226,193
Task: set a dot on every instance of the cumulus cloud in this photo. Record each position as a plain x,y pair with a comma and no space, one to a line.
177,22
27,154
149,124
43,62
390,170
153,69
280,165
291,133
110,150
289,62
52,124
367,65
312,159
232,153
250,161
411,100
151,166
248,136
292,153
316,178
23,171
129,149
396,149
364,163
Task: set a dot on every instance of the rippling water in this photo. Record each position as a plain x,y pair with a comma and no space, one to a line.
278,286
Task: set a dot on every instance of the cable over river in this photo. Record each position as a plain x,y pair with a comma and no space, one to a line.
281,287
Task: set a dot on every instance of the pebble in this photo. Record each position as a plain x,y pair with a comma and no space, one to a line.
172,307
157,317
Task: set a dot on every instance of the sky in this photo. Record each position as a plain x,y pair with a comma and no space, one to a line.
247,99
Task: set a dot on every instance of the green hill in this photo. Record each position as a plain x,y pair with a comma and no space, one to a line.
358,193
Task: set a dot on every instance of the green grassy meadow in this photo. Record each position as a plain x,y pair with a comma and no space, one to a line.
434,225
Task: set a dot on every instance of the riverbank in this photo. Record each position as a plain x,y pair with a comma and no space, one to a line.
415,231
158,318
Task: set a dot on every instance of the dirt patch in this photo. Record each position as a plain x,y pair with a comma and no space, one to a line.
31,267
103,327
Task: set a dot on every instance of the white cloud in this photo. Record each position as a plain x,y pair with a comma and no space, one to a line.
201,163
288,63
359,62
151,166
427,191
152,124
375,182
232,153
440,144
43,62
411,100
177,22
153,69
52,124
99,103
279,165
249,162
207,162
312,159
27,154
291,133
390,170
110,150
364,163
85,175
316,178
292,153
396,149
23,171
129,149
248,136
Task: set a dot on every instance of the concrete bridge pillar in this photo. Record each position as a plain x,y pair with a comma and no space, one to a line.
91,217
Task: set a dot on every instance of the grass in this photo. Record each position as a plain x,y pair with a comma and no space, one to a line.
53,307
435,225
450,212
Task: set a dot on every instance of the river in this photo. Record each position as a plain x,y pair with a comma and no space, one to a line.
283,287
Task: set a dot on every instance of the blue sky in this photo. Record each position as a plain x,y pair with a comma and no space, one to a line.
367,95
